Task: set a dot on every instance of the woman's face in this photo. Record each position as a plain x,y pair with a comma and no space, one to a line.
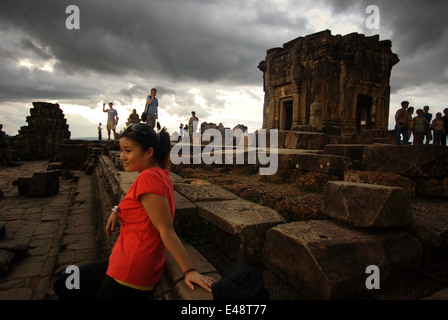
134,159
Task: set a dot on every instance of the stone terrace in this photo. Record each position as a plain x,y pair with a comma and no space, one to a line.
320,259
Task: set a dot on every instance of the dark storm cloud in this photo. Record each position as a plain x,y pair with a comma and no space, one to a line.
419,34
181,39
190,41
414,24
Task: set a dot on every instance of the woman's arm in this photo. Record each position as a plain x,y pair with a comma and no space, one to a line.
111,222
157,208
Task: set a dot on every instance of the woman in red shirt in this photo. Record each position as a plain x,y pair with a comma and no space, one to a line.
146,217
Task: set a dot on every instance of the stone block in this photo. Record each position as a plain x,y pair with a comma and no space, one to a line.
353,151
381,178
291,140
202,266
439,295
432,187
412,161
41,184
199,262
6,259
238,227
186,218
126,179
176,178
325,259
430,222
366,205
304,140
54,166
321,163
203,192
73,155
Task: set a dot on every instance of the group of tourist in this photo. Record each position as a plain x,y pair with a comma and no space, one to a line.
151,118
189,127
151,111
421,126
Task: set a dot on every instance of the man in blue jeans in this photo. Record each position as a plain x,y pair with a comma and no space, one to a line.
401,128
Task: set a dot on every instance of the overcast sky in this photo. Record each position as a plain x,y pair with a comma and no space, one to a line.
201,55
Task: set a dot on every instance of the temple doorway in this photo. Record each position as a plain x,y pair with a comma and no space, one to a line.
363,112
286,115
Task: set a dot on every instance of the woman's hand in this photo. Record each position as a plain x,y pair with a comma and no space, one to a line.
111,223
201,280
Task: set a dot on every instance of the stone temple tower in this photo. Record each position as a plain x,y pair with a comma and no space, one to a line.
330,84
47,129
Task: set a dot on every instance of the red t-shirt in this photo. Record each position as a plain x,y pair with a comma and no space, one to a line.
138,256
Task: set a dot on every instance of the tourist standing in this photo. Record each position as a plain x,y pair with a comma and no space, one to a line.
100,132
439,129
445,126
410,123
152,108
428,117
193,123
181,130
112,119
420,124
146,216
401,120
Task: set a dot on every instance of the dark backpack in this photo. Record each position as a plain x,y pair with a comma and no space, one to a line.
241,282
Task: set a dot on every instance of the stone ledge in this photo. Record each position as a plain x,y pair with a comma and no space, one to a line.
381,178
366,205
428,224
429,161
186,219
321,163
324,259
197,193
238,226
439,295
353,151
176,276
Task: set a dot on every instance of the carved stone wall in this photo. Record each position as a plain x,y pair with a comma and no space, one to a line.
47,129
348,75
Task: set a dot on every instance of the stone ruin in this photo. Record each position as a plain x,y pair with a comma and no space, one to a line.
336,85
47,129
368,197
133,118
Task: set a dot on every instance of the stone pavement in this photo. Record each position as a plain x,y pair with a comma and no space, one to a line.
33,226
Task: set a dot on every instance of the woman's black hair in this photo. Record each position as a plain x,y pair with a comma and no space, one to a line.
145,136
